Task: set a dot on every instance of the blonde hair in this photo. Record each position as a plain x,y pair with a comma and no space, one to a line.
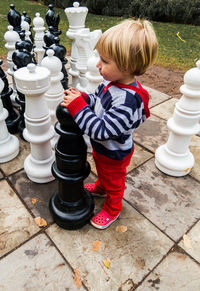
132,45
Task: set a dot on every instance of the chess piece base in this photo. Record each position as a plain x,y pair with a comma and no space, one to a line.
9,148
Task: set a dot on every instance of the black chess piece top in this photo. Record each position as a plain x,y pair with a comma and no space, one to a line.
25,43
14,18
26,17
13,119
21,57
49,37
72,205
52,20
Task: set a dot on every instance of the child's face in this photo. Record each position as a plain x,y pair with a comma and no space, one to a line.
109,70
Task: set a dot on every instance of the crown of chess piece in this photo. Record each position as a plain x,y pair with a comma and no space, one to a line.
14,18
9,144
52,20
60,52
13,119
72,205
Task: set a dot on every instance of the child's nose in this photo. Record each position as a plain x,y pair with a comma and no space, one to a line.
98,64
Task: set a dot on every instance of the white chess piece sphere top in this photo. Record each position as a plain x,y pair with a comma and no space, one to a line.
11,35
192,77
25,25
38,21
52,63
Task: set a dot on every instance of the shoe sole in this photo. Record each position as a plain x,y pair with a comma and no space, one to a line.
103,226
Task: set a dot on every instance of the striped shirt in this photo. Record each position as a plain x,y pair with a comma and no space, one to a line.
110,115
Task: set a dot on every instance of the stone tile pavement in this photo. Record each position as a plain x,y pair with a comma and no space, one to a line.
155,244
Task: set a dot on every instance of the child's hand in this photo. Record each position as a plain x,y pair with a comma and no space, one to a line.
72,93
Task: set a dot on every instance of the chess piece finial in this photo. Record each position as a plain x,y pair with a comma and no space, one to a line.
14,18
53,20
39,28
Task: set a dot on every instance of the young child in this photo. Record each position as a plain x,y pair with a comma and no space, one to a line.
118,106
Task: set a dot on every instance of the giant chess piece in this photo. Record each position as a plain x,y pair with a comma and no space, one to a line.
92,75
72,205
9,144
26,28
34,81
52,20
28,19
14,18
60,52
49,37
39,28
55,94
174,158
11,37
76,17
12,121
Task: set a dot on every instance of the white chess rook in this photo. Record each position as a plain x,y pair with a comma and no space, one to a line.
174,158
76,17
34,81
55,94
11,37
39,28
9,144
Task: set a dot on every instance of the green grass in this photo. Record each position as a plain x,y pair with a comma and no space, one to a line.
173,52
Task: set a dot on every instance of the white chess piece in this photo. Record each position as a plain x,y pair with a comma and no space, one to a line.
26,27
55,94
76,17
9,144
34,81
92,75
39,28
174,158
11,37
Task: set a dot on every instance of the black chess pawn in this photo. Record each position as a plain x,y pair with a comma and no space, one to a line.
49,37
72,205
14,18
13,119
60,52
52,20
21,58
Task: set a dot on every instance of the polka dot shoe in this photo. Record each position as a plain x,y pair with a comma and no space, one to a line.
92,189
103,219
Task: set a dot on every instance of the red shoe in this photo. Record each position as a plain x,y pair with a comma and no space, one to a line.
103,219
92,189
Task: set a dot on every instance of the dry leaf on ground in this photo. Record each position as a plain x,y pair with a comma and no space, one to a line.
41,222
107,263
96,245
34,200
121,228
77,279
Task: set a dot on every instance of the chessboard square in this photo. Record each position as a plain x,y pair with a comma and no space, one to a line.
155,96
165,110
121,256
191,242
16,224
1,175
35,195
195,150
167,201
37,266
176,272
139,156
152,133
17,163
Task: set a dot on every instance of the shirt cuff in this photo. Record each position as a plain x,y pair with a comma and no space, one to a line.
76,105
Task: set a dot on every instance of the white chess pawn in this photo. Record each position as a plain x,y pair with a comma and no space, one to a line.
174,158
34,81
55,94
39,28
9,144
11,37
26,27
76,17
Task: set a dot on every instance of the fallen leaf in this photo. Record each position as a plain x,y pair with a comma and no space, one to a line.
77,279
96,245
34,200
121,228
41,222
187,242
107,263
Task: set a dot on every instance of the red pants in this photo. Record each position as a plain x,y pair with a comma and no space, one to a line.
111,180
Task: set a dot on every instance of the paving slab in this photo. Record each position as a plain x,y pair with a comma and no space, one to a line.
176,272
123,258
191,242
16,223
36,196
195,150
1,175
165,110
17,163
171,203
155,96
139,157
36,265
